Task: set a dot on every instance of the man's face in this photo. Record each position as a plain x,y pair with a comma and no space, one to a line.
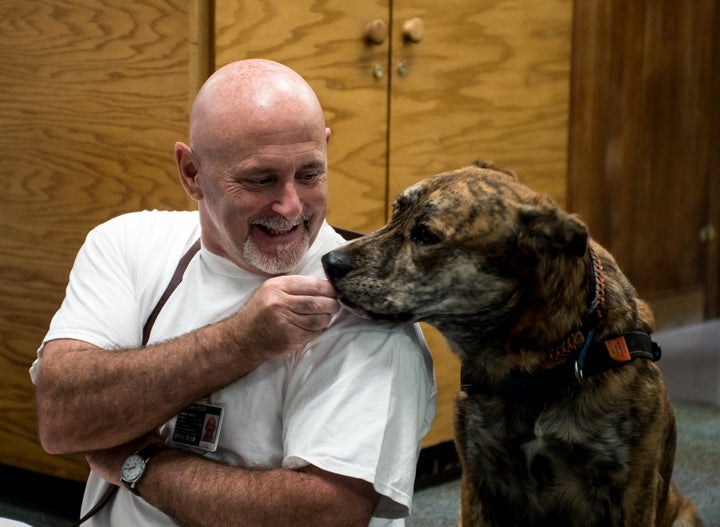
264,200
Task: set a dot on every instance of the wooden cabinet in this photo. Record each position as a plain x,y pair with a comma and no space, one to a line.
484,80
93,96
645,147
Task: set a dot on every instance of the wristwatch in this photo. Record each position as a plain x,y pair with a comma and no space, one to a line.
134,466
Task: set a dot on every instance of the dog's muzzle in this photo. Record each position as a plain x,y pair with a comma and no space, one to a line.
337,264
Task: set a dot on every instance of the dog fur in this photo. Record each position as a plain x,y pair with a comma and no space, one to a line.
507,276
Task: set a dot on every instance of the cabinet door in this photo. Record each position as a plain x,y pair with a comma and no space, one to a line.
487,80
92,97
324,42
645,147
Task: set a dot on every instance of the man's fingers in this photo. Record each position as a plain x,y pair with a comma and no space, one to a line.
314,305
299,285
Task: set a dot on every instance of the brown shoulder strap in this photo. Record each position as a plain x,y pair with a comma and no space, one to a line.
109,491
347,233
174,282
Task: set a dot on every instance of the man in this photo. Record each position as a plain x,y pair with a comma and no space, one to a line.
319,414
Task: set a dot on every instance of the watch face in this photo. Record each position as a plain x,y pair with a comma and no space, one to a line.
132,468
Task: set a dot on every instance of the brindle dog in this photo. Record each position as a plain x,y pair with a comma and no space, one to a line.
563,418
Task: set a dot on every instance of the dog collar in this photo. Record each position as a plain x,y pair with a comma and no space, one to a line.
583,335
592,357
597,357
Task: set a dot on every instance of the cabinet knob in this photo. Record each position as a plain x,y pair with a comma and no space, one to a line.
376,31
707,233
414,29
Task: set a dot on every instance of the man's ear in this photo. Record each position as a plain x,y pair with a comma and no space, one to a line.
188,170
547,229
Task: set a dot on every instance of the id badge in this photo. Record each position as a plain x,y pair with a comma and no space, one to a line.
198,427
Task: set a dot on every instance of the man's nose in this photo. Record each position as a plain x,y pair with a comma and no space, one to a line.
287,203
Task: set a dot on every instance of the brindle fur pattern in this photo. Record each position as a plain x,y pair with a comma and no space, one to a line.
503,273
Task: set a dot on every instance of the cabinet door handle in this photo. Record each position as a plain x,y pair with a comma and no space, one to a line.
376,31
414,29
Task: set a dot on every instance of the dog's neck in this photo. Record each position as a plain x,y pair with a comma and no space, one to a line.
593,343
548,318
590,320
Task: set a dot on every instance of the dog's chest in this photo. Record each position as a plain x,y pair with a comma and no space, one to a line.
527,458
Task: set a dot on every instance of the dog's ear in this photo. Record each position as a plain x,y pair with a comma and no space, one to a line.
491,166
547,229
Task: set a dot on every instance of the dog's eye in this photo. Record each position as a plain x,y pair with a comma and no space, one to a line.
424,236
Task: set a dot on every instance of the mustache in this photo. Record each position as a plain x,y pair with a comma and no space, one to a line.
278,223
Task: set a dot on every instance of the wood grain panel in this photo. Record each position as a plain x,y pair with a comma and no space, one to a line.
489,80
93,96
323,41
644,145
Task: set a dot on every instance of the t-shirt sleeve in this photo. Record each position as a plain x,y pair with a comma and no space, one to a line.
100,305
358,404
108,298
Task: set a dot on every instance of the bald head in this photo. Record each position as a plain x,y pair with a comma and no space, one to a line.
257,165
250,97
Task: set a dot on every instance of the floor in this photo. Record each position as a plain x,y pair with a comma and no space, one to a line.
691,362
691,367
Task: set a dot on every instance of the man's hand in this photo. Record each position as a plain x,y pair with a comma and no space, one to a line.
284,315
107,463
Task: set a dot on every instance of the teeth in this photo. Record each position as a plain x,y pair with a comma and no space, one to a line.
276,227
272,231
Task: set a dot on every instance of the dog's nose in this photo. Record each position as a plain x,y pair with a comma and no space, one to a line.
336,264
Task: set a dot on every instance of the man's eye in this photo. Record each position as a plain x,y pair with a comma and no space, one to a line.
309,177
258,182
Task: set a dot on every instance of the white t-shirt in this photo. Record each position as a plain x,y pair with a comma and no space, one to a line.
356,401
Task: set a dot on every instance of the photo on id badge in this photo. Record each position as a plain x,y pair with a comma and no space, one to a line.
198,427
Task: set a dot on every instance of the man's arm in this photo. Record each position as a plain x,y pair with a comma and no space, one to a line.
89,398
197,492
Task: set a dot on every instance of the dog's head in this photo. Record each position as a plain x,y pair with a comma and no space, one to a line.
462,249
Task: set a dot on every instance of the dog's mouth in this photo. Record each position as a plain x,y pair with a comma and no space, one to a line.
373,315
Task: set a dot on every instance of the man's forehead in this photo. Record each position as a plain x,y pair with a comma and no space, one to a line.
268,159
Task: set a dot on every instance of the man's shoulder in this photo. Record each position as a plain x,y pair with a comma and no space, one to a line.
391,334
148,229
150,221
151,241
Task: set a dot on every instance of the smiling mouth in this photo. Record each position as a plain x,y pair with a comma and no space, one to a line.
276,232
275,227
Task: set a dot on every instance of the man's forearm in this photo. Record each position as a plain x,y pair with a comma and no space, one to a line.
90,398
199,492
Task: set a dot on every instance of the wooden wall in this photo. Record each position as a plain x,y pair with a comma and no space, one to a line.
93,96
644,146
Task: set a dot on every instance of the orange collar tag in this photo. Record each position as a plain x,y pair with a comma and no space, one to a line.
618,349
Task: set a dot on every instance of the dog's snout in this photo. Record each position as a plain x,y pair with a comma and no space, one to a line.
336,264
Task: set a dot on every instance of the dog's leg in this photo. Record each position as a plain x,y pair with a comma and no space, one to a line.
686,515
